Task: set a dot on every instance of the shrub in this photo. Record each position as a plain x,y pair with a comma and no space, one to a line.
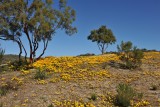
140,95
3,91
93,97
51,105
40,75
137,56
19,65
125,94
153,87
6,87
87,54
131,56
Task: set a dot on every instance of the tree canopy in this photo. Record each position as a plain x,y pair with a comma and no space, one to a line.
103,36
37,20
125,46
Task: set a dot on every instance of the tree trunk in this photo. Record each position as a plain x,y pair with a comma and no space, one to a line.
44,49
20,50
30,44
22,46
103,48
35,47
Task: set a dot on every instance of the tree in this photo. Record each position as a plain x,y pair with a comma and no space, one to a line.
103,36
37,20
130,55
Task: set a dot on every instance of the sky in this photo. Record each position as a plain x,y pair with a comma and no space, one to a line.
130,20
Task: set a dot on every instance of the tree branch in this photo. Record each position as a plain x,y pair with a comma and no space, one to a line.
29,40
99,47
23,49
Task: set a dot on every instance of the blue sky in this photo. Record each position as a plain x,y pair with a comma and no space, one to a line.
130,20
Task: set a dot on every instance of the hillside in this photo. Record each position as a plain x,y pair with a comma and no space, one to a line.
83,81
10,57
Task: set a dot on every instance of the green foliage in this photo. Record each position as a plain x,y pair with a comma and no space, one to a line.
51,105
93,97
103,36
40,75
125,47
3,91
19,65
125,94
140,95
146,50
131,56
87,54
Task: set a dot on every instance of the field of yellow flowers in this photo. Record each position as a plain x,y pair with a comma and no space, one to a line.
83,81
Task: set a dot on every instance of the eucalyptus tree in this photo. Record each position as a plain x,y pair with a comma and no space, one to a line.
103,37
37,20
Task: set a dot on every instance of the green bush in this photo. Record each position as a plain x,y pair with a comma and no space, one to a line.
87,54
51,105
6,87
93,97
140,95
3,91
19,65
137,56
125,94
40,75
129,55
